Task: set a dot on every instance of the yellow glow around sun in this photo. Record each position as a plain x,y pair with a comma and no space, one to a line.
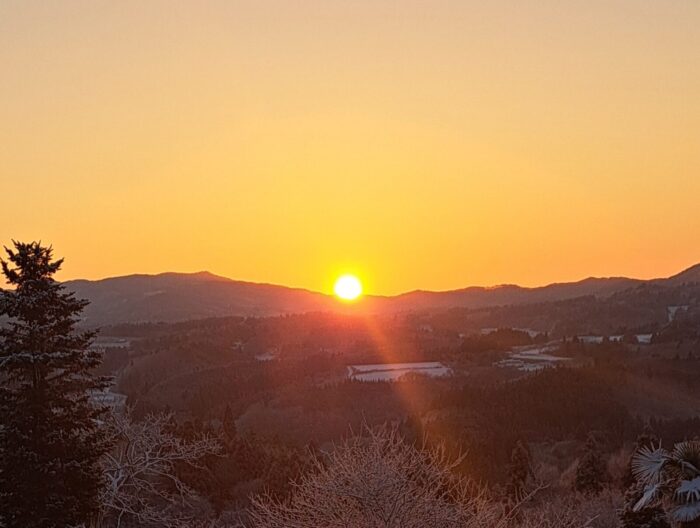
348,287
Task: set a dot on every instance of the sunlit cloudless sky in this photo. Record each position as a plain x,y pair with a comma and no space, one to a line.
419,144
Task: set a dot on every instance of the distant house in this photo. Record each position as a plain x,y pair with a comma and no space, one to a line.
673,311
269,355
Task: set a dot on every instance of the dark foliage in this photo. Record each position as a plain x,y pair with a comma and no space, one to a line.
591,474
49,439
519,471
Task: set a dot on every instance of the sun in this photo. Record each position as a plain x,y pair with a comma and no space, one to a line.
348,287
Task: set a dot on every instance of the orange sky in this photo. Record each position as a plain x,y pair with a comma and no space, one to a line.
421,144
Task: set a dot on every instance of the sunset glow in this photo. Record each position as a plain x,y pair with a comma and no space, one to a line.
275,229
428,142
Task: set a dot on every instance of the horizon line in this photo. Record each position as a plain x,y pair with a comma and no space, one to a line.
407,292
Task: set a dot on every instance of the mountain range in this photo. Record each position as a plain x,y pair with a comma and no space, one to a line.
171,297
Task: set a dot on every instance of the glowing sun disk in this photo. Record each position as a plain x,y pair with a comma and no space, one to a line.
348,287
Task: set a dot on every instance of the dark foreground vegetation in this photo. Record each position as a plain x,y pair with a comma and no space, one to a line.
260,422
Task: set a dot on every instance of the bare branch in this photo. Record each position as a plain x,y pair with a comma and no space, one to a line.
141,483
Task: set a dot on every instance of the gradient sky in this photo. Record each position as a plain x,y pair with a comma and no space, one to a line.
420,144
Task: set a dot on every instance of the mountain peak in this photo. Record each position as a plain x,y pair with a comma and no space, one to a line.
692,274
206,275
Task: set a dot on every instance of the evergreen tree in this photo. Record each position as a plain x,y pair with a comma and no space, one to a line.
518,472
411,429
50,439
591,472
229,424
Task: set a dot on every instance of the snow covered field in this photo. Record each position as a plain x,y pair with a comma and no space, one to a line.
394,371
103,343
529,358
643,339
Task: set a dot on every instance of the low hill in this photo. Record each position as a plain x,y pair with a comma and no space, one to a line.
691,275
170,297
479,297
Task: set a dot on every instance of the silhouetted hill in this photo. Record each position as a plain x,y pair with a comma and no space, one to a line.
170,297
690,275
478,297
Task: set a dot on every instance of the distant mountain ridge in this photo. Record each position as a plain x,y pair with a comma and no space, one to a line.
171,297
690,275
